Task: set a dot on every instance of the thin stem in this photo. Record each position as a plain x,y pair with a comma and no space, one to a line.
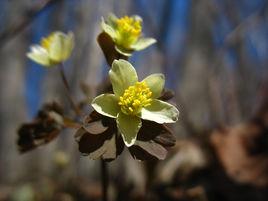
104,180
68,90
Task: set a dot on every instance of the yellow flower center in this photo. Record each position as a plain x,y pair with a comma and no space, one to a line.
135,98
128,31
46,42
129,25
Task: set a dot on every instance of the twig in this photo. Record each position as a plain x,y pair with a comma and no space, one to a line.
68,90
104,180
22,23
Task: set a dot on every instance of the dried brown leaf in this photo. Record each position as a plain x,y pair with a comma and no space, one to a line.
44,128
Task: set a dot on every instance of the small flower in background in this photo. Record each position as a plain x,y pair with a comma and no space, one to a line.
61,159
126,32
133,100
53,49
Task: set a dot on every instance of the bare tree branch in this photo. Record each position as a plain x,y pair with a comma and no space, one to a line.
14,29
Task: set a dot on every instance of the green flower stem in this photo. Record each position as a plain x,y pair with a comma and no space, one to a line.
104,180
68,90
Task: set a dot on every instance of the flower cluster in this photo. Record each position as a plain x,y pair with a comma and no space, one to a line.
135,113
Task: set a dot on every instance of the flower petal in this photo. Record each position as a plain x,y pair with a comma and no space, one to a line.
106,104
108,29
61,46
156,84
39,55
137,18
129,127
56,47
160,112
111,20
122,75
123,51
143,43
68,45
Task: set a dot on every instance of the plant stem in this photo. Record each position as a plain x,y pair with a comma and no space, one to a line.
104,180
68,90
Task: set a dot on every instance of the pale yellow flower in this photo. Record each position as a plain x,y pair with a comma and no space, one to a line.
53,49
126,32
133,100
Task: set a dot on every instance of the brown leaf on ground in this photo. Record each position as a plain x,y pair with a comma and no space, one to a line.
242,151
186,158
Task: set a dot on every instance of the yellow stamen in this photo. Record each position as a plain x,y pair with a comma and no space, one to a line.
135,98
46,42
129,25
128,31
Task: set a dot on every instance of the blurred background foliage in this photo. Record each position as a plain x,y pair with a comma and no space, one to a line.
214,54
